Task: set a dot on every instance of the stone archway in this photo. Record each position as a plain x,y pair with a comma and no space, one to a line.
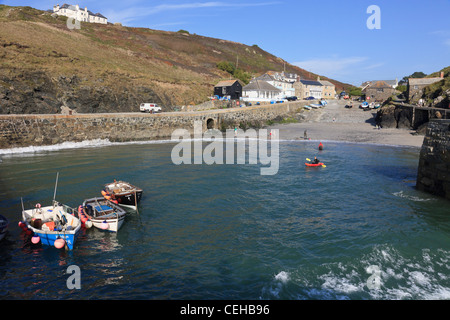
210,123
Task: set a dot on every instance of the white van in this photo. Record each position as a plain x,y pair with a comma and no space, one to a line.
150,107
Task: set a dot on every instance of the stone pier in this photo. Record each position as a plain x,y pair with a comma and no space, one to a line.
434,164
36,130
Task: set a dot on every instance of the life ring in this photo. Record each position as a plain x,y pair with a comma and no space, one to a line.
38,205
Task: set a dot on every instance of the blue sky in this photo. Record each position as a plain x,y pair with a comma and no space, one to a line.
327,37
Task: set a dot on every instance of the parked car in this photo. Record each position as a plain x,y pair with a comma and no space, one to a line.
150,107
310,98
291,98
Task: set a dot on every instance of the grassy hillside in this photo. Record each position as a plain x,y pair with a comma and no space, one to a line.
438,93
109,68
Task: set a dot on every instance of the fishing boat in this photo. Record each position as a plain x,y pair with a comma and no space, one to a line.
104,214
307,107
54,225
3,226
123,193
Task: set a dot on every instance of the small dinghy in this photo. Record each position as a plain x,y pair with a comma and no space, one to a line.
123,193
104,214
54,225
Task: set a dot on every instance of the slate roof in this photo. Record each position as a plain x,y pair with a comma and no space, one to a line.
311,83
260,85
423,81
326,83
227,83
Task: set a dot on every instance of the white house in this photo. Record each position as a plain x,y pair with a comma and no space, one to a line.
285,86
76,13
259,90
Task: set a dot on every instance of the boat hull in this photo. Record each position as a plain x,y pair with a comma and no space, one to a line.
112,221
314,164
49,238
123,193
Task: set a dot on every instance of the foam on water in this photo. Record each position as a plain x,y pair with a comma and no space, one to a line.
424,277
96,143
401,194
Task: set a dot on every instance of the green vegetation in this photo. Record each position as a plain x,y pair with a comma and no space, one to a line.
355,91
183,31
240,74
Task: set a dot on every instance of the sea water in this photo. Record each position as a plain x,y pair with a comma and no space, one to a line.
355,229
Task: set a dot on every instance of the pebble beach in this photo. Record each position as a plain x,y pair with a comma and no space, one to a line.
334,122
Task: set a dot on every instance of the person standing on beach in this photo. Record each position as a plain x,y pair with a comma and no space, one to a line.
305,135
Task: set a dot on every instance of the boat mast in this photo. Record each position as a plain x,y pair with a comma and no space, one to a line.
56,185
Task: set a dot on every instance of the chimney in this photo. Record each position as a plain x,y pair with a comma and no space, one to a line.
442,74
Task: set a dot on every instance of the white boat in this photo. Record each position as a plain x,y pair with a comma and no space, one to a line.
104,214
54,225
307,107
3,226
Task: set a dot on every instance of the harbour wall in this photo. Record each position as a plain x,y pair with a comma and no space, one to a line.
38,130
434,163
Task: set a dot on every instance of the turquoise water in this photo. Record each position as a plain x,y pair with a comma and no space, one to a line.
226,232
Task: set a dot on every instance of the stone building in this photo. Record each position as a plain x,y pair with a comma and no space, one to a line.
378,91
328,89
416,85
83,15
308,88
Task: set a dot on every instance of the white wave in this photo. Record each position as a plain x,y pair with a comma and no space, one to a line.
400,194
283,277
75,145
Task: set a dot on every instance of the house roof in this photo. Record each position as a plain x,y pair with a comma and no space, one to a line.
326,83
310,83
379,84
265,77
260,85
227,83
391,83
423,81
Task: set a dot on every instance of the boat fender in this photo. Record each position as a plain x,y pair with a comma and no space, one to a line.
88,224
106,195
104,225
59,243
35,239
